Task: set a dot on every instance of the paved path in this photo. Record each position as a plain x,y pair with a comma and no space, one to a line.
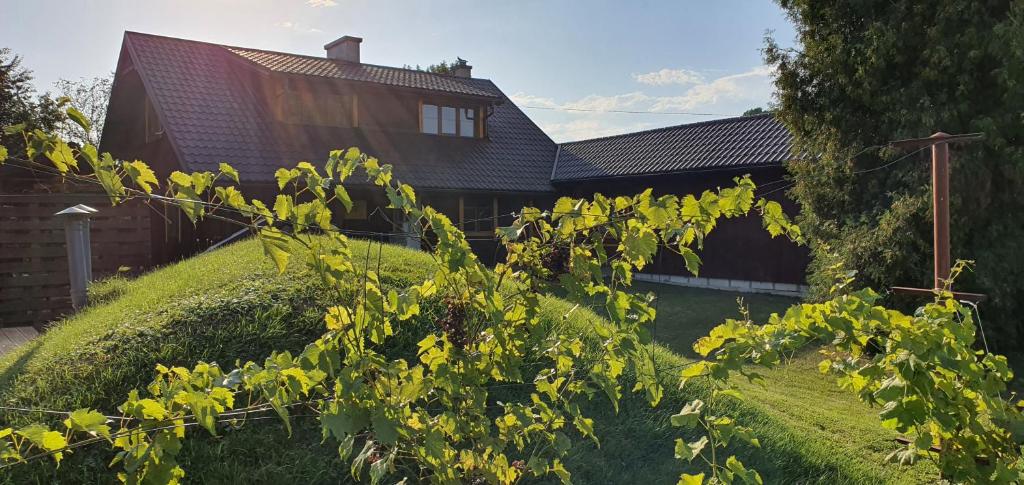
11,337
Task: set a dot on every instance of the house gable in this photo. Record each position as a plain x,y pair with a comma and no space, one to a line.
219,106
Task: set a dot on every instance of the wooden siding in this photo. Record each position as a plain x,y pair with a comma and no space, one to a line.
34,281
738,249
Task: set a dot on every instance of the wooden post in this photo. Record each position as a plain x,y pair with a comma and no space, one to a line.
940,209
939,143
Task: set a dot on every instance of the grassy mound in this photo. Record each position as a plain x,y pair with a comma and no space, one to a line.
231,305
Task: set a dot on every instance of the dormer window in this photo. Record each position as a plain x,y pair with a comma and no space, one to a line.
448,120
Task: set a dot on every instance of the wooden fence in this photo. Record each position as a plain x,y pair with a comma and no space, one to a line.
34,281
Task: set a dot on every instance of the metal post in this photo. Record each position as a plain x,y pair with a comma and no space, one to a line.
940,209
76,235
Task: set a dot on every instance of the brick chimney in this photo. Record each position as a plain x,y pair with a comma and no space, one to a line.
344,49
462,69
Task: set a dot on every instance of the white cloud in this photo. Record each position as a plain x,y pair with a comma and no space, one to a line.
589,128
523,99
727,95
595,102
665,77
321,3
752,85
297,27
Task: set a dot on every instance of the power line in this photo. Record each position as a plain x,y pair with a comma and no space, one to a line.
626,111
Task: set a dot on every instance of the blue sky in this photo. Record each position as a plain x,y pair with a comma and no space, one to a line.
669,56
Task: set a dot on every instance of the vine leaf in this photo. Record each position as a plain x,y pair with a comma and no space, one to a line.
689,415
275,245
45,439
685,479
89,421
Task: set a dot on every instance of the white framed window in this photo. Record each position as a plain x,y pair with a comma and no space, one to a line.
448,120
436,119
430,119
467,122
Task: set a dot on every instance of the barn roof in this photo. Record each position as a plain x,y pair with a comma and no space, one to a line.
210,116
730,143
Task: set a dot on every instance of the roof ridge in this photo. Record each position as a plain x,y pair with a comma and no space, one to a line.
308,56
730,119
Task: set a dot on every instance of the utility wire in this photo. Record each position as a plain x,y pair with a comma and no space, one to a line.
626,111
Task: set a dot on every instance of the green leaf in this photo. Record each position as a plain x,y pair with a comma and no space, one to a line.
689,451
559,470
283,176
283,207
685,479
3,154
697,369
384,429
141,174
46,440
342,195
689,415
343,421
275,245
88,421
229,171
691,259
736,468
79,118
360,460
62,157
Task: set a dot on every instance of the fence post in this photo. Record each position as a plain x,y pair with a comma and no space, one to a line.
76,236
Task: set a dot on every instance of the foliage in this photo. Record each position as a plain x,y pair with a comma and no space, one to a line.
183,313
921,369
432,418
874,71
90,96
19,105
435,417
754,111
443,67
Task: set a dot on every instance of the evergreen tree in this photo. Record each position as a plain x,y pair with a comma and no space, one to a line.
19,103
873,71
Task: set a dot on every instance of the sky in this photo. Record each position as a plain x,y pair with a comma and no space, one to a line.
658,58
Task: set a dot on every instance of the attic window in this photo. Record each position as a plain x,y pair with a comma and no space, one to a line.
448,120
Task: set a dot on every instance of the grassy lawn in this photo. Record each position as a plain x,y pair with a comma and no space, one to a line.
797,395
810,432
687,314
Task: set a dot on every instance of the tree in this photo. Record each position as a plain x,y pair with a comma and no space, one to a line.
91,97
443,67
19,104
754,111
874,71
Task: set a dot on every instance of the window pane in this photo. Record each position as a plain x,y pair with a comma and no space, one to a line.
430,119
447,120
466,126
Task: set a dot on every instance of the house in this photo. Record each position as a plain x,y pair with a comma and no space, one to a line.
459,140
688,159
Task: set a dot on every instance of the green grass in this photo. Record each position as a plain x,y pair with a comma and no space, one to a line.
231,304
796,396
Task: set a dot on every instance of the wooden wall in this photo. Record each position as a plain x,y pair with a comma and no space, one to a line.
34,281
738,249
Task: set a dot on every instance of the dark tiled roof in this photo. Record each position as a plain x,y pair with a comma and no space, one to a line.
747,141
210,116
392,76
